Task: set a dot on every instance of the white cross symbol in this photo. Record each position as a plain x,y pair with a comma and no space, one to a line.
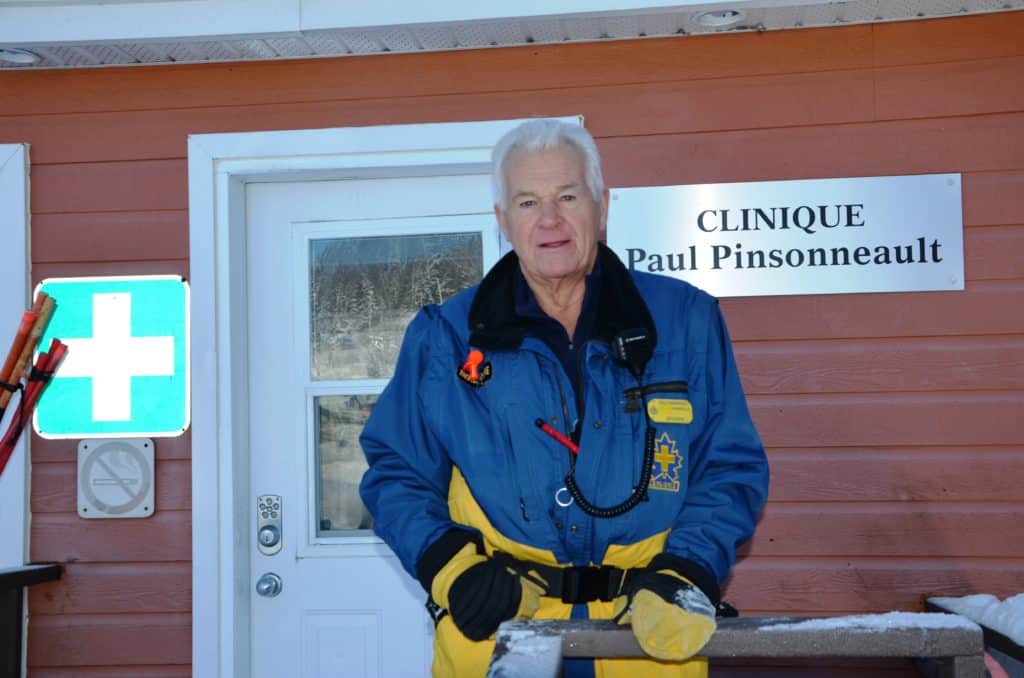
112,356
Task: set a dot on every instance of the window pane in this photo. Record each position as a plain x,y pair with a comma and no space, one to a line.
364,291
340,462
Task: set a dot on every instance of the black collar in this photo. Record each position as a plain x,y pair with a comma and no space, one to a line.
494,324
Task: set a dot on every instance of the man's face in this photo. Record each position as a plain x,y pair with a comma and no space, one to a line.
551,219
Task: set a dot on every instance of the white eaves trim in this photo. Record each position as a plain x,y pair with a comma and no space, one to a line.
321,14
48,21
84,33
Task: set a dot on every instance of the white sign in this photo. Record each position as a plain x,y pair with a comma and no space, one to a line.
115,478
814,236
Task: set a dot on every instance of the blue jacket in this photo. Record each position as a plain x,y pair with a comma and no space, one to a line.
444,453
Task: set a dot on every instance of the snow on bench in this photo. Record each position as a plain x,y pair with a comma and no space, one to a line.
951,644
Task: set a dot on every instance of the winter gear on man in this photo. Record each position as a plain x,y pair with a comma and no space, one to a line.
447,455
671,618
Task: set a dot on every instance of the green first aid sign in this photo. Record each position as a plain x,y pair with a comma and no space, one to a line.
126,371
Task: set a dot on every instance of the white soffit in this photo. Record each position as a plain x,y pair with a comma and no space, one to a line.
89,33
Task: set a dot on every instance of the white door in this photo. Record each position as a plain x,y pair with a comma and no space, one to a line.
335,271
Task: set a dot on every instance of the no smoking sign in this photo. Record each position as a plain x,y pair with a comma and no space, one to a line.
115,478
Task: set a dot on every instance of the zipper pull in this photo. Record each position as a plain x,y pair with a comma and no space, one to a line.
522,507
633,396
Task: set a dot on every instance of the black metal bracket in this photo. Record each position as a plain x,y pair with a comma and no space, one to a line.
12,611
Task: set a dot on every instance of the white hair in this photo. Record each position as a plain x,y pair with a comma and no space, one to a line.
541,134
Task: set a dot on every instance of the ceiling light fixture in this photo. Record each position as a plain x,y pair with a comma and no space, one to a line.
14,55
721,18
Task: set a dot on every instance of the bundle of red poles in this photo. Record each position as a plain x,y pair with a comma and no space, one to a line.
19,374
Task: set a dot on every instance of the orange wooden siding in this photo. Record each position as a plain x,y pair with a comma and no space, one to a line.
894,422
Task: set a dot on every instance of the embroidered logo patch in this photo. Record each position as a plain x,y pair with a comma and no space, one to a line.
475,371
667,462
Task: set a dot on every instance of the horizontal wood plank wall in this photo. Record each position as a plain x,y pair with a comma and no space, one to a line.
893,421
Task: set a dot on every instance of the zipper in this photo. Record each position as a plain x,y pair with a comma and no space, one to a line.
575,434
633,395
565,405
580,404
661,387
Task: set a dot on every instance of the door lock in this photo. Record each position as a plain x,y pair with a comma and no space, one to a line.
269,536
268,524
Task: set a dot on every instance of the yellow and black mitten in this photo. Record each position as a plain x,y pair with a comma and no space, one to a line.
671,618
478,591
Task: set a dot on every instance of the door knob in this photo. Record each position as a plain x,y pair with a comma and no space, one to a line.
269,585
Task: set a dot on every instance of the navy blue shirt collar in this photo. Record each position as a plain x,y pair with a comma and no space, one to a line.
550,331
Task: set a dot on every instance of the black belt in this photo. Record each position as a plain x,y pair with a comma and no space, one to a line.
577,584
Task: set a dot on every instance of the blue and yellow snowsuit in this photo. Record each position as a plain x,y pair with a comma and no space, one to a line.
443,453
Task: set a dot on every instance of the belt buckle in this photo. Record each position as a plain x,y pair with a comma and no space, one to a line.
582,584
571,584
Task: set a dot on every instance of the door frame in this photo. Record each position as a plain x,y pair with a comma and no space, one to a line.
219,167
14,296
15,490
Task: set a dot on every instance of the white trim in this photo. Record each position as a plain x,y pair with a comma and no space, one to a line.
70,21
88,33
14,285
56,21
326,14
219,166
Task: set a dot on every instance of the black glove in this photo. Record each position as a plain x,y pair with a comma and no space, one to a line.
478,591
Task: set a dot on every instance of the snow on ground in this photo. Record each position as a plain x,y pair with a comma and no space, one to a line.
881,622
1006,617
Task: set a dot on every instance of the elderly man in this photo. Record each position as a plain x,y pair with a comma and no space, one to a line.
567,439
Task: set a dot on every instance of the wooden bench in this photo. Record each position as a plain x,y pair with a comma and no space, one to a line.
949,645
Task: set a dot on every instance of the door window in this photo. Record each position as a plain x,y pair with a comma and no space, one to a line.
363,290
